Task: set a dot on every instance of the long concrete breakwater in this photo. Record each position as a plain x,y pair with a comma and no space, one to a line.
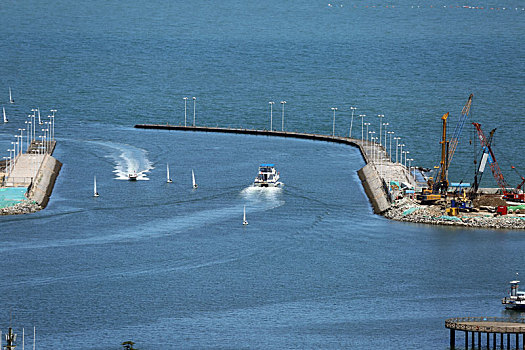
389,186
374,175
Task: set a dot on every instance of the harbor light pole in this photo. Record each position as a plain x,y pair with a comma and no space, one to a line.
271,114
185,101
381,116
401,153
333,124
367,124
362,116
385,125
282,119
390,149
351,121
397,146
410,166
194,100
406,153
53,124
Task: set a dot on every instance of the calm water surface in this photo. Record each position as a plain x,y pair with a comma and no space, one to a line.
170,267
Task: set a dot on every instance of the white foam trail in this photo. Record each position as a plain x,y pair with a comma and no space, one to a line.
254,193
128,159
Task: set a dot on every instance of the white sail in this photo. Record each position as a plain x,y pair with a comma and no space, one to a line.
39,121
11,97
5,118
244,222
193,179
168,180
95,193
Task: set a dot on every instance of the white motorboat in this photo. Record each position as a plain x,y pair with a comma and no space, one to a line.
193,179
516,299
267,176
133,176
244,222
95,193
168,180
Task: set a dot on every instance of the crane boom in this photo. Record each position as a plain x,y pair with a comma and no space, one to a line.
496,171
454,140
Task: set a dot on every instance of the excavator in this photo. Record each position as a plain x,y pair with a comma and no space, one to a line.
438,184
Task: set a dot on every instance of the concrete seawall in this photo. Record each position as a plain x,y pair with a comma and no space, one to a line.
44,183
374,188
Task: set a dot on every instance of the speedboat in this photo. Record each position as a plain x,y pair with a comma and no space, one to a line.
133,176
516,299
267,176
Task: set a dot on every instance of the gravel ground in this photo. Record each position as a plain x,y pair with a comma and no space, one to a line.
408,210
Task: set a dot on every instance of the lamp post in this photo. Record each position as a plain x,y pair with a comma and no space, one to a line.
390,149
401,145
406,153
362,116
53,124
372,139
194,101
351,121
367,124
385,125
271,114
333,124
282,119
34,122
185,102
410,166
381,116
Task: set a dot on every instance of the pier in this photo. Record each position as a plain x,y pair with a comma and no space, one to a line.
376,175
498,332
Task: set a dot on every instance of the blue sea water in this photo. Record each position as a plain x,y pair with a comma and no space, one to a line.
170,267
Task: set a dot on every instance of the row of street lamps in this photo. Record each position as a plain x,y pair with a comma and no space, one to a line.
376,139
31,131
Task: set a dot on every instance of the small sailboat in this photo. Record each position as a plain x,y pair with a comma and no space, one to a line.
193,179
11,97
244,222
39,121
168,180
95,193
5,118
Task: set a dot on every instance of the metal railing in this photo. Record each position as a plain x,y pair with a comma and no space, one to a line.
472,324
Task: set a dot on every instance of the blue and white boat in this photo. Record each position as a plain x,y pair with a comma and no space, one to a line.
516,299
267,176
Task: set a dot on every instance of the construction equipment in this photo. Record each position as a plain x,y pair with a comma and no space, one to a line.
432,193
488,157
482,164
438,184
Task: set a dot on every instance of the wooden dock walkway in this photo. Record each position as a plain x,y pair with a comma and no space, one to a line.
488,326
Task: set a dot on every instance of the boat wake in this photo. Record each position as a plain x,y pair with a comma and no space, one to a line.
128,159
253,193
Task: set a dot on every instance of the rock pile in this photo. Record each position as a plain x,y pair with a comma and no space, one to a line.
410,211
24,207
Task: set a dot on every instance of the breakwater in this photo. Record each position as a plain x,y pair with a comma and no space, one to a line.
385,182
379,169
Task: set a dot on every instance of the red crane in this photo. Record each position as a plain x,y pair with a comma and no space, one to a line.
513,195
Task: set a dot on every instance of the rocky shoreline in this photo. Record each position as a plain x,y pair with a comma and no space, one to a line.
410,211
24,207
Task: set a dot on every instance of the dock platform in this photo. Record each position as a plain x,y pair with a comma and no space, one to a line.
491,327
